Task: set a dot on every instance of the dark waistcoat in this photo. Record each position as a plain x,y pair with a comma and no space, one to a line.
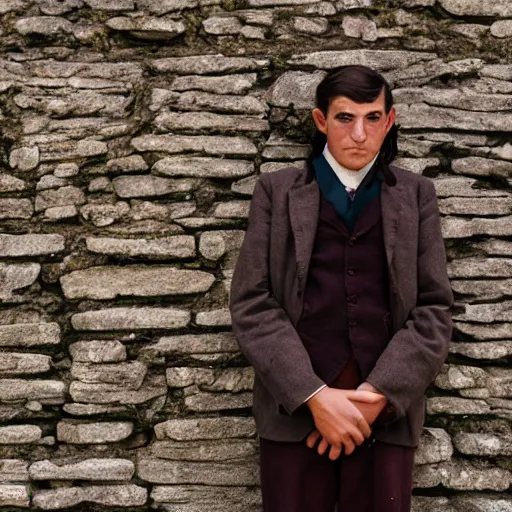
345,312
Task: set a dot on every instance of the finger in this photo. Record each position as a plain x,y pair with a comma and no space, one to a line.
357,435
322,446
335,451
362,425
313,438
349,445
369,397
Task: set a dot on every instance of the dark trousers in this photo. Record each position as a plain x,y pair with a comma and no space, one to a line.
375,477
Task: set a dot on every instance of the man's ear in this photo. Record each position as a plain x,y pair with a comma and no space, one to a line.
319,119
391,119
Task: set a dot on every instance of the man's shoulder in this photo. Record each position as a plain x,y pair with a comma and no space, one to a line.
411,179
283,176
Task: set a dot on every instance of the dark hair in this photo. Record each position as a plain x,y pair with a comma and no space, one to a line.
362,85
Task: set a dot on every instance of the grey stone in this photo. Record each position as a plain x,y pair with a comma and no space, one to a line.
456,406
50,181
487,290
490,445
264,17
12,6
132,163
66,170
194,344
485,313
232,84
207,473
10,183
464,187
421,115
14,363
500,8
483,503
271,3
164,6
313,26
202,402
29,335
149,186
496,247
359,27
471,30
12,495
93,433
346,5
210,121
102,215
250,32
214,317
102,393
233,379
134,280
222,25
216,450
486,350
24,159
322,9
11,208
20,434
378,59
60,212
473,206
435,446
478,166
499,71
153,29
15,276
128,318
204,64
90,469
13,470
213,145
43,390
179,246
128,495
97,351
111,5
416,165
203,167
93,409
164,212
194,429
63,196
456,376
198,100
245,186
232,209
91,148
295,87
454,227
130,374
101,184
487,332
44,25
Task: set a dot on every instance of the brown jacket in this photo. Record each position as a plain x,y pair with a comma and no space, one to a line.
266,301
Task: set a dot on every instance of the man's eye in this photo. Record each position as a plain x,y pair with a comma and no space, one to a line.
373,118
344,118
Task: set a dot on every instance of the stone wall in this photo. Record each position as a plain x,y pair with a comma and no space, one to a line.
132,134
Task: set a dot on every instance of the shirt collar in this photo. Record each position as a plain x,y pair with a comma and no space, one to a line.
349,177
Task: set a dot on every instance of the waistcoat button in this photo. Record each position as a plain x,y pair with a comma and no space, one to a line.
350,272
352,241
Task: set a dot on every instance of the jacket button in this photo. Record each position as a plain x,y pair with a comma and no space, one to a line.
352,299
350,272
352,323
352,241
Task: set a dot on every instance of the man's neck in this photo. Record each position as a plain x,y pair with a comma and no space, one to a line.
349,177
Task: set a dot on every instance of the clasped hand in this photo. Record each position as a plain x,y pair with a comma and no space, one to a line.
343,418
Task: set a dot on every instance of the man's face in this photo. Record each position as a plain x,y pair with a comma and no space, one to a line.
355,131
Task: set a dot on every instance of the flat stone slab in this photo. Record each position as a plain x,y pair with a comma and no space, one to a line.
14,363
498,8
108,495
203,167
435,446
20,434
232,84
14,276
170,121
90,469
42,390
97,351
14,246
130,374
126,318
194,344
29,335
12,495
487,445
93,433
209,144
13,470
151,186
179,246
162,471
190,429
204,64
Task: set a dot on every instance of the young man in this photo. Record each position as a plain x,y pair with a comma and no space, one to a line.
340,300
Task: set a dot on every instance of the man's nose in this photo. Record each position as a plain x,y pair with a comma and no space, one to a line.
358,131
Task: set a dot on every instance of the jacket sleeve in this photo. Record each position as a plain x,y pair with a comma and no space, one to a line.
417,351
266,336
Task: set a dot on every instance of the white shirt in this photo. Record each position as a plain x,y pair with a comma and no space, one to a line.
349,177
